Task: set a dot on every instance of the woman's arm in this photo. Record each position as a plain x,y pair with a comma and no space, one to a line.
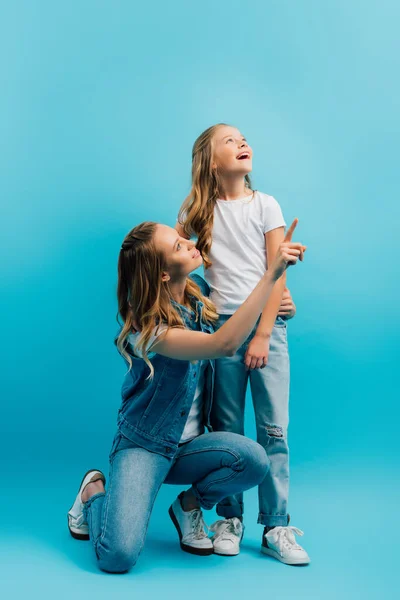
193,345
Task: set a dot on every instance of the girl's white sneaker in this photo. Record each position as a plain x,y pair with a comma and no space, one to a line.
280,543
77,524
228,534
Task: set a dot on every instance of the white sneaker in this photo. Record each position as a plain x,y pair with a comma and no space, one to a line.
77,525
280,543
227,537
190,527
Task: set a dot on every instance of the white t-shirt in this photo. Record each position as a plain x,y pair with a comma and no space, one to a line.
194,424
238,250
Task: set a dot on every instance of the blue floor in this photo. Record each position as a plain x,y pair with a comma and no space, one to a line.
349,520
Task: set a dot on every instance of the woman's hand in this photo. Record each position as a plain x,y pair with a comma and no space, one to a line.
288,253
287,309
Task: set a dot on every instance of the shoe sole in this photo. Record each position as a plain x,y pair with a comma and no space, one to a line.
184,547
270,552
78,536
226,553
75,534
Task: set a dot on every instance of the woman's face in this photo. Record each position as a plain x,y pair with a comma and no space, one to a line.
231,153
181,255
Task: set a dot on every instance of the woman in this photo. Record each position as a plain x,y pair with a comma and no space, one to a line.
166,401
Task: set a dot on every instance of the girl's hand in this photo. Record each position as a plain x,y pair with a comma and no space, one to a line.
287,309
288,253
256,356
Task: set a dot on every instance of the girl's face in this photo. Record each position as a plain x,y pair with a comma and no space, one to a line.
181,255
231,153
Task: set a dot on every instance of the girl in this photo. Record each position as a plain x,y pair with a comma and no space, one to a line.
166,401
239,231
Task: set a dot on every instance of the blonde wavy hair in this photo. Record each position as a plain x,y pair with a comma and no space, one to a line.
196,214
144,299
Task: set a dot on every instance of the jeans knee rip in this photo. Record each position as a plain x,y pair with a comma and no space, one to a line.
274,431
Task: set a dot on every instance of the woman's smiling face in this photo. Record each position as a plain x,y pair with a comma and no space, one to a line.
181,255
231,152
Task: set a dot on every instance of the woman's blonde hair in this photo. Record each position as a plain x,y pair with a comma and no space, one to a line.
196,214
144,299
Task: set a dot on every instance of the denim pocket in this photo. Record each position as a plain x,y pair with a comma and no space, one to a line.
279,322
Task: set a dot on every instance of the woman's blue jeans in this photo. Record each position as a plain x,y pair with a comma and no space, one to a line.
215,464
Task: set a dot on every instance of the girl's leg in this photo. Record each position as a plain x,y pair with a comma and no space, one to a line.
118,519
218,465
228,408
270,393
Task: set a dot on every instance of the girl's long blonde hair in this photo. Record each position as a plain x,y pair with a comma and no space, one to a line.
196,214
144,300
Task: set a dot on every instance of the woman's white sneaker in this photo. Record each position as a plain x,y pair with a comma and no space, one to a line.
280,543
77,525
228,534
191,529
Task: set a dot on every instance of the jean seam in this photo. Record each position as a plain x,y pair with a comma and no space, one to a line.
216,449
88,514
105,509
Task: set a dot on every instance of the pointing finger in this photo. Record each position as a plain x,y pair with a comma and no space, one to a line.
289,233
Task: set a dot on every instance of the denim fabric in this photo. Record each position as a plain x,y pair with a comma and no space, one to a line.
216,464
154,411
270,394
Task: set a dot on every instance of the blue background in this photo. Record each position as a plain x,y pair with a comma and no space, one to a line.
100,104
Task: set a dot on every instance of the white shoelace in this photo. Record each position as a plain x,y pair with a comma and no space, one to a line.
198,525
227,528
285,537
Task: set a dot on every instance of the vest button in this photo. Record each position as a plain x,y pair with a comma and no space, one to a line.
168,450
194,374
183,413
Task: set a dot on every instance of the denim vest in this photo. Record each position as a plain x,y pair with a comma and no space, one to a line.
154,411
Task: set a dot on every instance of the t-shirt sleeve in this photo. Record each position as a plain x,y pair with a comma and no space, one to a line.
133,339
272,214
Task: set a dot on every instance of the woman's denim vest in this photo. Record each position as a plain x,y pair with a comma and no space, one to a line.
154,411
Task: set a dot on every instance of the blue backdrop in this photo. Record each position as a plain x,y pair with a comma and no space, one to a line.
100,103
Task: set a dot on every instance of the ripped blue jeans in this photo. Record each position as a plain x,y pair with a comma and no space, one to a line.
270,394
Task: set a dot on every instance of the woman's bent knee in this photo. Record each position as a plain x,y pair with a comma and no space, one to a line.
116,561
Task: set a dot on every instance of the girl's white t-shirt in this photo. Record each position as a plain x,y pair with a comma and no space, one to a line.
238,252
194,424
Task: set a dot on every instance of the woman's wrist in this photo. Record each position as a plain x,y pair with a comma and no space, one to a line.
263,333
270,277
